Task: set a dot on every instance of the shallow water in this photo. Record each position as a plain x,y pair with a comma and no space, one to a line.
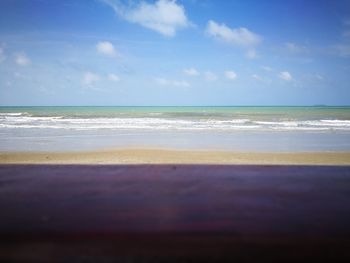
227,128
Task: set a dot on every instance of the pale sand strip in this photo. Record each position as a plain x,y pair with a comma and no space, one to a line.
161,156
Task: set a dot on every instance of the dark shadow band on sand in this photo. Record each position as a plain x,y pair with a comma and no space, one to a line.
143,213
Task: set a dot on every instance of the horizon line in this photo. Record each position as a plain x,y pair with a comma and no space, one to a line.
272,105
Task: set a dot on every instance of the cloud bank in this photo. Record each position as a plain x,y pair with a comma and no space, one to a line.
235,36
164,16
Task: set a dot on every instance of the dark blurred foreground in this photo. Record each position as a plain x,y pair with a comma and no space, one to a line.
174,213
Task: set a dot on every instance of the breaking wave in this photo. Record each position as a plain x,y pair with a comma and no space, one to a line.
151,121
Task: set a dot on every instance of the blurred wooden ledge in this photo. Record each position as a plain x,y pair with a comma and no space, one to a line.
156,213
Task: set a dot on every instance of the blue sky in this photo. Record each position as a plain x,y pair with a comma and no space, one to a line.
190,52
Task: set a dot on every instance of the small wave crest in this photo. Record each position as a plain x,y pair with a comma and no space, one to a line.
11,114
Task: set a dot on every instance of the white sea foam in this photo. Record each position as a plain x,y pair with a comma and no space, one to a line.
12,113
336,121
281,123
25,121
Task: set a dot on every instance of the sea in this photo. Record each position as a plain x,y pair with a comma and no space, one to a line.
248,128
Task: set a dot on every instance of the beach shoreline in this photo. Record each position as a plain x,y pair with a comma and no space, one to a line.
175,156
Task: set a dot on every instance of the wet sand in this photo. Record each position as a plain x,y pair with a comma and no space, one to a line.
176,213
168,156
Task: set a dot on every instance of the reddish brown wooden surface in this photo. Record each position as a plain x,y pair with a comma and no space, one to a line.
181,212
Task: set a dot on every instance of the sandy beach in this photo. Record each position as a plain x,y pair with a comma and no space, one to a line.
170,156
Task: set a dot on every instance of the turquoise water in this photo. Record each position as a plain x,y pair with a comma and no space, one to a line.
258,112
234,128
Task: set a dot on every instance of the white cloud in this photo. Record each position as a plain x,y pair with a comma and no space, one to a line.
191,72
2,55
251,54
22,59
285,75
106,48
294,48
210,76
175,83
236,36
113,77
163,16
230,74
90,78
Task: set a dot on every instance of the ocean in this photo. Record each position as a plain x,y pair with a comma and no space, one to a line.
267,129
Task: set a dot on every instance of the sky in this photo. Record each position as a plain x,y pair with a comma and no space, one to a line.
167,52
